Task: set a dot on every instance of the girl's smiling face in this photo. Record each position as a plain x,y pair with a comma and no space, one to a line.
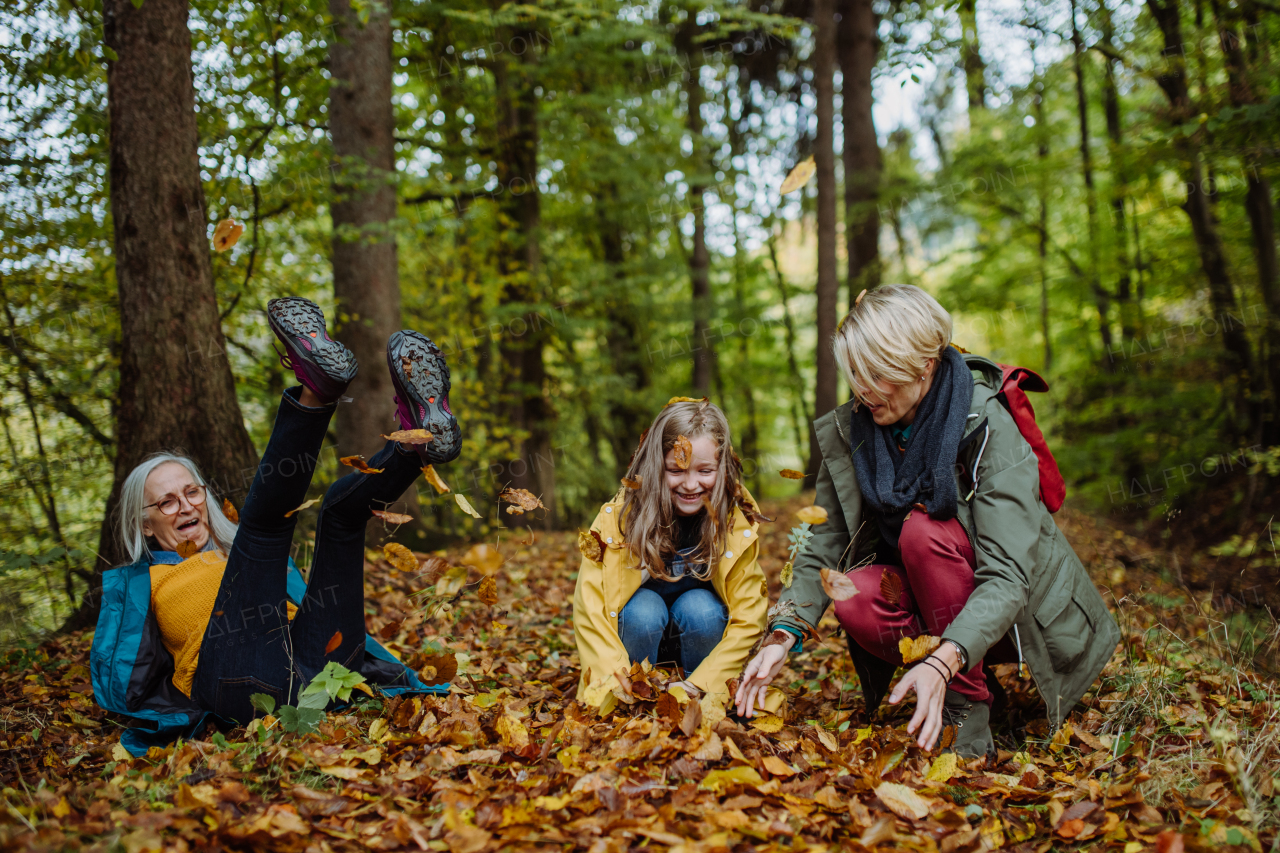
689,487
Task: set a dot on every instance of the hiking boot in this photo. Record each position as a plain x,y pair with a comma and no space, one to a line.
320,363
421,379
971,722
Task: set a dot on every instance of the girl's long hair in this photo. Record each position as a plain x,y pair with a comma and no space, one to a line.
133,498
647,520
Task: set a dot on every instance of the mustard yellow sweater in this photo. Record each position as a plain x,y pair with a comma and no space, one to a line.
182,597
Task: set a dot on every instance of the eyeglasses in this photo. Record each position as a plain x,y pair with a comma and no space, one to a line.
170,504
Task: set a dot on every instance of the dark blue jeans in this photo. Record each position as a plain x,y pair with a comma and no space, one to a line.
687,610
250,646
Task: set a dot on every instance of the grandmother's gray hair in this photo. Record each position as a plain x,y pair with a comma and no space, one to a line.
889,335
133,498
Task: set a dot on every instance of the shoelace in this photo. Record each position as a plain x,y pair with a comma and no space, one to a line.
285,361
955,716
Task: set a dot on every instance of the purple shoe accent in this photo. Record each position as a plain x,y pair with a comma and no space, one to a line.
327,367
421,379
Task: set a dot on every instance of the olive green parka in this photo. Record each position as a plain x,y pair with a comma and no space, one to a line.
1030,584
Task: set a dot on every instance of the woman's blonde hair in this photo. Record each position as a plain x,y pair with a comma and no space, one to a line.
647,520
889,335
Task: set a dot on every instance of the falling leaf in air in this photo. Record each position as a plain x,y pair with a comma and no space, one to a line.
799,176
232,514
838,585
521,500
334,642
591,545
400,557
434,479
788,575
484,557
812,515
488,591
359,464
187,549
226,234
410,436
675,400
791,474
465,506
632,484
393,517
682,453
890,586
902,801
915,649
302,506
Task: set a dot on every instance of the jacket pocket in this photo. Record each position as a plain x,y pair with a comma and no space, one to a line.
1064,619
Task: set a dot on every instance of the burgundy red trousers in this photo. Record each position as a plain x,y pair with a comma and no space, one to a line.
937,579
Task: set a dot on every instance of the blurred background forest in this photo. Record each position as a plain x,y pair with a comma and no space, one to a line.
580,203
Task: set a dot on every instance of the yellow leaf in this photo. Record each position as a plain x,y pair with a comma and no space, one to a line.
685,400
119,753
915,649
862,734
515,736
768,723
943,768
799,176
364,688
719,780
466,507
902,801
434,479
302,506
791,474
484,557
788,575
400,557
776,766
812,514
552,804
378,730
61,809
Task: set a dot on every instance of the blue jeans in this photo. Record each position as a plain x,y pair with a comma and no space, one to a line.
687,609
250,646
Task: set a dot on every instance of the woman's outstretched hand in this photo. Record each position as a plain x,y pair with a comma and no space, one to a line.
931,691
757,677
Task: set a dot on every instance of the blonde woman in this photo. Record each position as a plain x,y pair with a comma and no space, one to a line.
679,564
927,478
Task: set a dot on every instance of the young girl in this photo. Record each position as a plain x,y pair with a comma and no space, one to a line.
679,561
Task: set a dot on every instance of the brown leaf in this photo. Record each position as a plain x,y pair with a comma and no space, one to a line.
187,549
302,506
591,545
390,629
948,737
692,719
682,453
1079,811
226,234
359,464
521,500
630,483
393,517
837,585
229,510
334,642
444,666
1170,841
410,436
400,557
488,591
890,586
915,649
791,474
668,708
434,479
484,557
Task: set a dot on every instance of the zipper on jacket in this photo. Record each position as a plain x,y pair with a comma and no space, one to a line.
1017,641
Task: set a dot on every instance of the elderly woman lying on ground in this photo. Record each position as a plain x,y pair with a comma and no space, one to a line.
210,613
934,497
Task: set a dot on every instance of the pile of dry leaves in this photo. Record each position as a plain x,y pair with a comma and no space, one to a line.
1177,750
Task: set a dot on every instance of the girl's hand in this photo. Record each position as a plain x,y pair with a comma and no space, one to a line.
757,677
930,690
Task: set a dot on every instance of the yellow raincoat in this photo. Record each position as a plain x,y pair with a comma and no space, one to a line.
604,588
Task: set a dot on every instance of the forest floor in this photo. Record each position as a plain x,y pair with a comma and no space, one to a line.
1178,750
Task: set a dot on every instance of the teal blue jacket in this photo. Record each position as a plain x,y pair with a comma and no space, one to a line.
132,671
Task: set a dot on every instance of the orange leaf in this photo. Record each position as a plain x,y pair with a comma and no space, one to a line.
486,558
682,453
400,557
359,464
187,549
791,474
434,479
226,234
410,436
1169,841
334,642
393,517
630,483
1071,828
232,514
921,646
838,585
488,591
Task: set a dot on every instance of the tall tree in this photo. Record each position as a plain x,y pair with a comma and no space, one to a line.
366,278
699,257
1129,310
975,70
828,289
176,386
862,163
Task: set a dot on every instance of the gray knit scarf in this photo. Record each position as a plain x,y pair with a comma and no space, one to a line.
892,482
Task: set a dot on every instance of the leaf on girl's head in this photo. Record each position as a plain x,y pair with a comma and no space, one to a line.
488,591
302,506
591,545
187,549
334,642
890,586
400,557
226,234
521,500
915,649
438,669
434,479
393,517
630,483
410,436
838,585
812,515
465,506
674,400
788,575
791,474
359,464
484,557
232,514
682,453
799,176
